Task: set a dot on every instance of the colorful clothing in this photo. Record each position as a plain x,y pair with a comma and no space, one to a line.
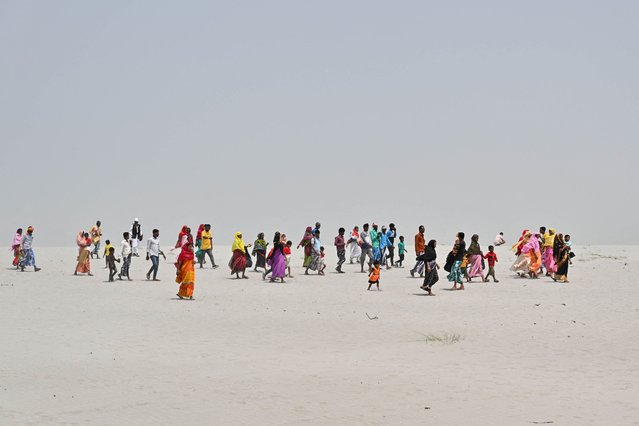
185,273
456,274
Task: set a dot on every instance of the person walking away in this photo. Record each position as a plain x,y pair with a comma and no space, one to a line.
136,236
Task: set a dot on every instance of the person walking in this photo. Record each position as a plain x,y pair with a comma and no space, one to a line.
96,233
153,252
207,246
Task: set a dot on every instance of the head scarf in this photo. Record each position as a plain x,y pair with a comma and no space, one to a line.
238,244
199,232
16,239
522,240
187,252
355,233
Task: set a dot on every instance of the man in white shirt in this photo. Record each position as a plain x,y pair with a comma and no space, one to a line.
367,248
499,239
125,250
153,252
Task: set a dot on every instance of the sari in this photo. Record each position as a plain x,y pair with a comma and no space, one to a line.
522,263
259,251
563,260
532,252
185,273
198,242
15,246
277,262
548,255
475,259
84,264
306,243
238,261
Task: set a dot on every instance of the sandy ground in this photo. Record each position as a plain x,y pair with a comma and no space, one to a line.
79,350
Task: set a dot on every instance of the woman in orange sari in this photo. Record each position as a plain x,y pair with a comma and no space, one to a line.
186,271
84,242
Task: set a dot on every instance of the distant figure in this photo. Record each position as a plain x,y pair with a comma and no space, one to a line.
186,271
238,261
153,252
420,247
316,259
384,244
107,247
430,259
317,227
499,239
491,257
376,242
277,260
259,251
373,275
401,250
136,236
306,244
475,258
288,253
454,262
340,245
366,247
110,260
206,246
84,256
27,256
15,246
354,250
125,252
96,233
391,234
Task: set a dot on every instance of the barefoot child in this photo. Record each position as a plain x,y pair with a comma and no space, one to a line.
322,264
402,251
287,252
107,249
110,260
491,257
373,275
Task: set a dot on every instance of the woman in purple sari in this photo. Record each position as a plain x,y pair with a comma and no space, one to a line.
277,260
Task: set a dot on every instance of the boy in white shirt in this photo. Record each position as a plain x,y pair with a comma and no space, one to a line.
125,250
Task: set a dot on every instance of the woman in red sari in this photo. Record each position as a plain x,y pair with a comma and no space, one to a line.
84,242
186,271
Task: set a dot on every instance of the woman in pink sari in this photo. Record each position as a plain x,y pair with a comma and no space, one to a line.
15,246
84,242
475,259
532,252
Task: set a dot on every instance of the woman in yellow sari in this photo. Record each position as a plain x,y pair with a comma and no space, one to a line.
238,261
186,271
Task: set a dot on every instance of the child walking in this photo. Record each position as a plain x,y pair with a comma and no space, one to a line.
373,275
287,253
322,264
340,245
107,248
401,247
491,257
110,260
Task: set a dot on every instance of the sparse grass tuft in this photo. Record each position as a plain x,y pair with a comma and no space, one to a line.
444,339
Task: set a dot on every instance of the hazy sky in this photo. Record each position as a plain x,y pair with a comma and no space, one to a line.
464,115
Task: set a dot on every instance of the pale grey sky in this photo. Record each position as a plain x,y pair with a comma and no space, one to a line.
465,115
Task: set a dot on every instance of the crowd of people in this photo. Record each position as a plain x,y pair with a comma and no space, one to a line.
373,248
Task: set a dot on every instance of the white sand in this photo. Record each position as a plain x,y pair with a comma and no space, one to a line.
78,350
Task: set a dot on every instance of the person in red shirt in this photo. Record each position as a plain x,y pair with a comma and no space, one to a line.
491,257
420,248
287,253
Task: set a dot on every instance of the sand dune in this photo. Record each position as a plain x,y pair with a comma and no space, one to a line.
79,350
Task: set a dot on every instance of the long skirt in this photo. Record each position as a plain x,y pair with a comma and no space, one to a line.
522,264
354,251
84,265
475,269
27,258
535,260
315,262
431,275
562,269
16,255
456,274
260,258
307,260
186,278
278,264
548,259
238,261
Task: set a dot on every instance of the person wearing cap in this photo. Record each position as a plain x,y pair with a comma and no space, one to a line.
26,251
136,236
